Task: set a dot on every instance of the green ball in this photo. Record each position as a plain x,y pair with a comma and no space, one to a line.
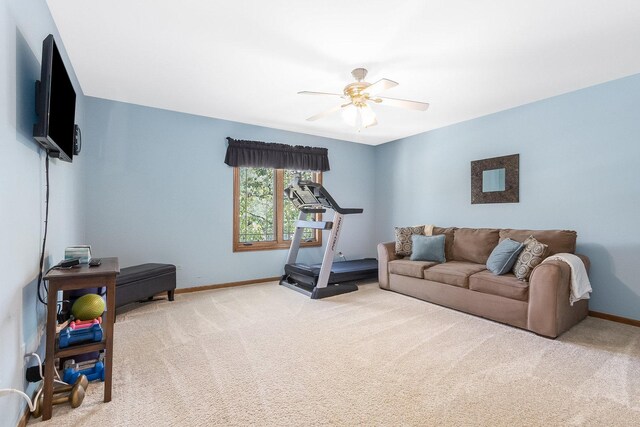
88,307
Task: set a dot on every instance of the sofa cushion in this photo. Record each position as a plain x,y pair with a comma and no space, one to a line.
505,286
557,240
532,255
403,238
504,256
405,267
454,273
474,244
428,248
448,242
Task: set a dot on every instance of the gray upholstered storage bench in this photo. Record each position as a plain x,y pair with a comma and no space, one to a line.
143,281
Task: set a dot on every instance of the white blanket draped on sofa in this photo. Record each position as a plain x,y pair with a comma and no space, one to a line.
580,285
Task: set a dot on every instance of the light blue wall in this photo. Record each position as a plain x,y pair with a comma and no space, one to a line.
579,155
158,191
23,27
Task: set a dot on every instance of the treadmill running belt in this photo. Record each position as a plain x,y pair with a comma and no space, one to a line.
341,271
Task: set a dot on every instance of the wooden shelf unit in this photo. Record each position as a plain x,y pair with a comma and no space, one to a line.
73,279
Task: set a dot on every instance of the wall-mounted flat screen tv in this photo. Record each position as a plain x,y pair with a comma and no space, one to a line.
55,104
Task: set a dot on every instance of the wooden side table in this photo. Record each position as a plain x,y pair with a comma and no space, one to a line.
67,280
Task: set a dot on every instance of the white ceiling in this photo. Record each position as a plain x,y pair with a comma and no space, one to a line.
246,60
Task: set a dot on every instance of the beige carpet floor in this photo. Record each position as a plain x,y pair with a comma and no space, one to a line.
264,355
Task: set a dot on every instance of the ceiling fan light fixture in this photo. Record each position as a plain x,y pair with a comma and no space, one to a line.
368,117
350,115
359,117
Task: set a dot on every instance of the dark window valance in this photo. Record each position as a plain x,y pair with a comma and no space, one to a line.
259,154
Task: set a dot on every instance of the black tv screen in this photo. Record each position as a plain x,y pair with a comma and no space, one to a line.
56,104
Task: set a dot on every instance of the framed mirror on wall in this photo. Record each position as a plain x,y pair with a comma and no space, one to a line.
496,180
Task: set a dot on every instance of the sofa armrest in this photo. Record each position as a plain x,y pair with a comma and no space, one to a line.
386,253
550,313
585,259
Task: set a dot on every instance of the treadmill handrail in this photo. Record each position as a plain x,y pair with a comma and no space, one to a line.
331,201
334,205
349,211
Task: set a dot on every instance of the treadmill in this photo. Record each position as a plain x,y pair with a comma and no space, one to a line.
328,278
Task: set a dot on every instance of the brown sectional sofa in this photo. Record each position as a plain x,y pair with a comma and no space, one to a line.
540,305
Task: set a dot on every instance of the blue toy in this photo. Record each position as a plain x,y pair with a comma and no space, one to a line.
95,373
70,336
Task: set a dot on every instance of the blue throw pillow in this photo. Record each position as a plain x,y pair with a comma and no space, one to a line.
504,256
428,248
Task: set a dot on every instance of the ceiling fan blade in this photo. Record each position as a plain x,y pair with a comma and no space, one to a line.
380,86
326,112
412,105
306,92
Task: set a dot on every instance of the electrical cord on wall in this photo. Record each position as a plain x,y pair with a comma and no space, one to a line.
41,285
32,403
41,298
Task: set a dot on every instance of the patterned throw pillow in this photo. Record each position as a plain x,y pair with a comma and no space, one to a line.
403,239
532,254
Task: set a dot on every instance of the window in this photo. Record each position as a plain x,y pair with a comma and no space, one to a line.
262,216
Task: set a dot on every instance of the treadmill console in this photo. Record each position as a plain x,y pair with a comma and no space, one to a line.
311,197
305,195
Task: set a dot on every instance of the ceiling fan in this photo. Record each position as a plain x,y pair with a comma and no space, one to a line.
356,111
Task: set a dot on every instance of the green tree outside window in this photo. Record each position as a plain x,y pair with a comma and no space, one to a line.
265,218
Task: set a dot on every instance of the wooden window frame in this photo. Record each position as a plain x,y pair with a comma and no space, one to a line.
279,243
